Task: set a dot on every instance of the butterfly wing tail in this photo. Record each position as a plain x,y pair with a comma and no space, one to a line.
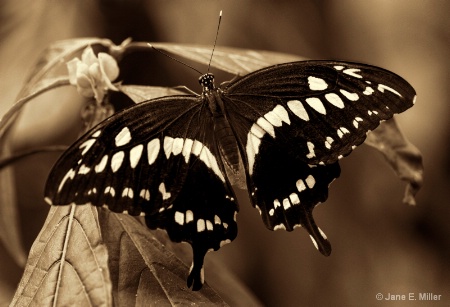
317,236
196,276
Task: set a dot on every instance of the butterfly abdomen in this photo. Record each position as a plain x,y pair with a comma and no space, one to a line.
227,143
225,138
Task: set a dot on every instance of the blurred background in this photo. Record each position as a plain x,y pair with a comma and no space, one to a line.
379,244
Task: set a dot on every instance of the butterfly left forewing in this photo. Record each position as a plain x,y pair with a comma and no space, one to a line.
157,159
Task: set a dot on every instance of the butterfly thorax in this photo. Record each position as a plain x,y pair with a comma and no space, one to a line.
223,133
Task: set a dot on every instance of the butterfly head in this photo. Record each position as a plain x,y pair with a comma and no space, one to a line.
207,82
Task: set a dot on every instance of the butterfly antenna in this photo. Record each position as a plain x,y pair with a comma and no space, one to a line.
171,57
215,41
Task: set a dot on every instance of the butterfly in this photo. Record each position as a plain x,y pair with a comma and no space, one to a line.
173,159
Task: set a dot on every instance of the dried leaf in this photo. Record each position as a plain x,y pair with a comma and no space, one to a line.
401,154
10,233
233,60
68,264
217,275
50,72
139,93
143,271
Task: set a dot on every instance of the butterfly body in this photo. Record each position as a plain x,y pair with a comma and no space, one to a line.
285,127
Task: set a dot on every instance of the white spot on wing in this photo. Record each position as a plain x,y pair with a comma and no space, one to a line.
353,72
300,184
96,133
316,104
69,175
179,218
311,153
210,161
187,147
128,192
145,194
322,233
87,145
257,131
286,204
310,181
209,225
201,226
252,149
197,147
276,203
189,216
273,119
294,198
168,144
328,142
280,226
224,242
341,131
101,166
355,122
314,242
83,170
135,155
177,146
217,220
264,124
382,87
368,91
350,96
152,150
316,84
116,160
335,100
271,212
123,137
110,190
162,190
298,109
339,67
281,112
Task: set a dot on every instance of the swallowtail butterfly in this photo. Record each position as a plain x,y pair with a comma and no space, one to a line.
171,159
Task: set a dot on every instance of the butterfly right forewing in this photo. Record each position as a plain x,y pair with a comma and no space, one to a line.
331,104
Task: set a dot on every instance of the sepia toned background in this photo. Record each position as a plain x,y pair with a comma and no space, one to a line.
379,244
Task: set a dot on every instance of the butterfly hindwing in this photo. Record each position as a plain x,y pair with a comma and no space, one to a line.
164,166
